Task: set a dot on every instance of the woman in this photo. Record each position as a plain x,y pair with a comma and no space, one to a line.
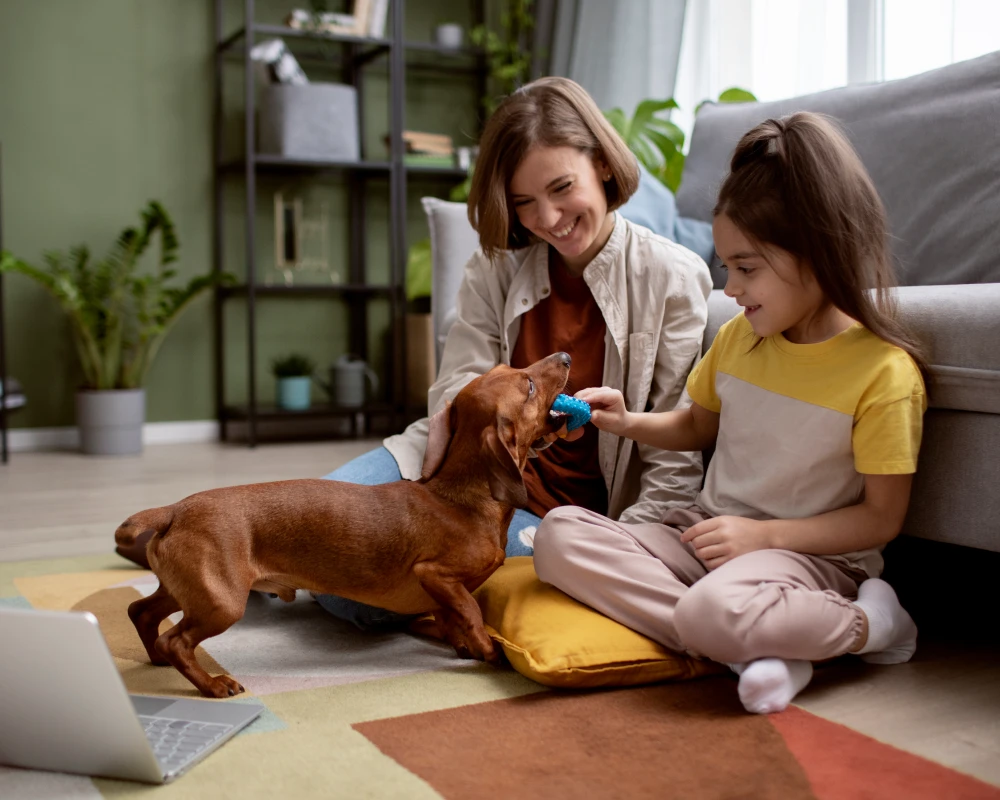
559,270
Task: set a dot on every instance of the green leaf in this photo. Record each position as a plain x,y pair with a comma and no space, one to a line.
419,270
617,119
644,114
650,156
668,129
736,95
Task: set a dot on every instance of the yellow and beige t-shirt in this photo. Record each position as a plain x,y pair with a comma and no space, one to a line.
802,424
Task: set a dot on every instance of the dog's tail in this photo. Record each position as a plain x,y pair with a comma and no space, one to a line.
134,533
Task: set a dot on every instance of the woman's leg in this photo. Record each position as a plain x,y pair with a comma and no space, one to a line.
521,533
374,467
634,573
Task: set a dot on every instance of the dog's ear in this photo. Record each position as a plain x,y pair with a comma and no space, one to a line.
438,438
506,483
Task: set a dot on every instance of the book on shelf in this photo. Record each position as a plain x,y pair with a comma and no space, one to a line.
367,18
324,22
377,14
428,160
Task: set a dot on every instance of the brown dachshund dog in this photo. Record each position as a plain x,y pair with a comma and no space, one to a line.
408,546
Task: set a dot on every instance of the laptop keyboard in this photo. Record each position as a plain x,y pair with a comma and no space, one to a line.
175,741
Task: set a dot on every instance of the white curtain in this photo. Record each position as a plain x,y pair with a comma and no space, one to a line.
621,51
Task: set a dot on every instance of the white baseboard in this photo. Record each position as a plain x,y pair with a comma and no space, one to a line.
22,440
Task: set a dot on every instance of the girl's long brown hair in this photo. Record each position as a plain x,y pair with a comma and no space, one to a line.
548,112
798,184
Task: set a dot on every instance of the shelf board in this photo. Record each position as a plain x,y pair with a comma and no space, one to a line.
457,52
284,32
273,163
317,411
437,172
307,290
276,163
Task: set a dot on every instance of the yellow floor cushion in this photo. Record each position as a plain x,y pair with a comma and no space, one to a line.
551,638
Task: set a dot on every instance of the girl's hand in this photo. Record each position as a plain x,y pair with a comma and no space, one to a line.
722,539
607,409
562,433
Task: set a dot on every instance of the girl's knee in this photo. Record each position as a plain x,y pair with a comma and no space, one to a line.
707,621
558,536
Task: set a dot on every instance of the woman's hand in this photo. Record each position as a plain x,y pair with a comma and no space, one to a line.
722,539
607,409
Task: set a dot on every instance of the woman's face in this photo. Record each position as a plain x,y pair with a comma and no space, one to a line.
558,194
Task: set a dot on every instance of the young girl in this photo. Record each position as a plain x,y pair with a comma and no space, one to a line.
813,399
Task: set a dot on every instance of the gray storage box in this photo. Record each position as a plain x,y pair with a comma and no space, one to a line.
316,121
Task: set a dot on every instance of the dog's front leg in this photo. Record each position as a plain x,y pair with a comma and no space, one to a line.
459,615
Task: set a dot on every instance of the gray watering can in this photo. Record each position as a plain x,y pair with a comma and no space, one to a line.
347,382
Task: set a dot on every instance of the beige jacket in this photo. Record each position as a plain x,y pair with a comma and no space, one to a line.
653,295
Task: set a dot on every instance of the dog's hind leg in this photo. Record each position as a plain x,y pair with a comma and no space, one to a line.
178,644
146,614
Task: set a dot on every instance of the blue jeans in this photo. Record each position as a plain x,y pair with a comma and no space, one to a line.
378,466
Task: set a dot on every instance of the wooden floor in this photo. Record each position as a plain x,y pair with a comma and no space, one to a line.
944,705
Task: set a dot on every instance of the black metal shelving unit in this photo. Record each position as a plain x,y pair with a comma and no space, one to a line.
352,56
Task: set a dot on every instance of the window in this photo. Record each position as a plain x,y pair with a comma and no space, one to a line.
785,48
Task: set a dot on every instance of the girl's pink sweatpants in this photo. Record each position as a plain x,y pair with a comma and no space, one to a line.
768,603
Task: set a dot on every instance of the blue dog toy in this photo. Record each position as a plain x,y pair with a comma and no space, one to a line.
578,411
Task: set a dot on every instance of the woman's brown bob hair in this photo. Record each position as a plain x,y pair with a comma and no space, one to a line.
549,112
798,184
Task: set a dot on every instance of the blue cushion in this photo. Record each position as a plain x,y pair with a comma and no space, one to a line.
653,206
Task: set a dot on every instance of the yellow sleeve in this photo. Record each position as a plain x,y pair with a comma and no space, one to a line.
701,381
887,436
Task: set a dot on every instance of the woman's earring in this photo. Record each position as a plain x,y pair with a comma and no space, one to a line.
607,177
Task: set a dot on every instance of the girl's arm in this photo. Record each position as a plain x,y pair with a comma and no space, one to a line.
686,429
873,522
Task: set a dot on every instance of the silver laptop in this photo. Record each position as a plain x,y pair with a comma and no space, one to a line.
63,706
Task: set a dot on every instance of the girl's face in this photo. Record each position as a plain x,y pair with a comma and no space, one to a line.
777,293
558,194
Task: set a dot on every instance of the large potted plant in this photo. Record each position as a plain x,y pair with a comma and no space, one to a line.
119,317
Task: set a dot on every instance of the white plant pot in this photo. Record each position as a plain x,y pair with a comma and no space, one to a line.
449,35
110,421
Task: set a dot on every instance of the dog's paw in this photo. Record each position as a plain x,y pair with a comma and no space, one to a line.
224,686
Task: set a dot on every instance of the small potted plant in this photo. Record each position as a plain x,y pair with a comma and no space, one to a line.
294,374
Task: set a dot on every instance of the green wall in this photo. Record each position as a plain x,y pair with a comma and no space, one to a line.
108,103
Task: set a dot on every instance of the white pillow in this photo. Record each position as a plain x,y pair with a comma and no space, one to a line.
453,243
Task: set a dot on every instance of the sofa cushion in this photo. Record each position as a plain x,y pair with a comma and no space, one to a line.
653,206
930,144
958,325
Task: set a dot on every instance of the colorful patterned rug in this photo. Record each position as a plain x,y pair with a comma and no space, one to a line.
352,715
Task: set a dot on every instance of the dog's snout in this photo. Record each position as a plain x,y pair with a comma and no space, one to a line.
564,359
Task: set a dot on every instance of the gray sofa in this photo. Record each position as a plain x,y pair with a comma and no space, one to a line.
932,146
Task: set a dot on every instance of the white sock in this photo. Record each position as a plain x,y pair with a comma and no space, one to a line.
892,633
768,685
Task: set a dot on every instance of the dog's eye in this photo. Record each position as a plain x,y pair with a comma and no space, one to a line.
531,387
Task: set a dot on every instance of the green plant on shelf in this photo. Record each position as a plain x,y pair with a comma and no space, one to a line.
418,271
293,366
508,51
